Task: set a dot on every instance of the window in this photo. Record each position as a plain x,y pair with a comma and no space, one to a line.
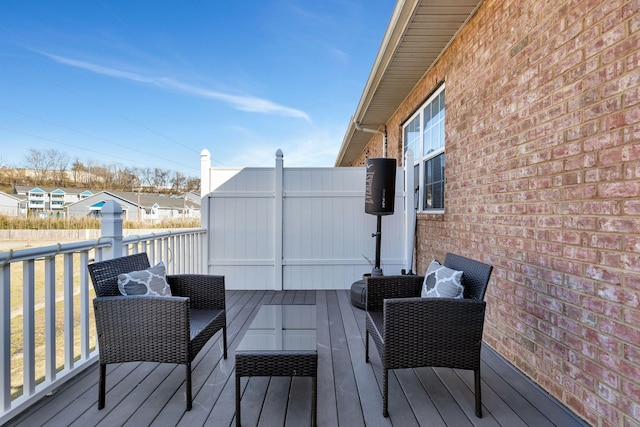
423,133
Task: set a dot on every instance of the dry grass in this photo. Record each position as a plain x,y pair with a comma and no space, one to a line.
52,223
16,296
18,333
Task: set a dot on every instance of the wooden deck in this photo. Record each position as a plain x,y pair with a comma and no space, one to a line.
141,394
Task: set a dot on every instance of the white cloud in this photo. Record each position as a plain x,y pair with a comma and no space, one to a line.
241,102
317,148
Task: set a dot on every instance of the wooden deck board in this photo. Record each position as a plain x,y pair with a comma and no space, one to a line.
348,388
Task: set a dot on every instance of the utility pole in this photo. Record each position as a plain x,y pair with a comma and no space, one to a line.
139,189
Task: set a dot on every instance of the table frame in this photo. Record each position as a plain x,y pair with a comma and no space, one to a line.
273,363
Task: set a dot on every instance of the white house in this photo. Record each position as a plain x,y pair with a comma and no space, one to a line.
10,205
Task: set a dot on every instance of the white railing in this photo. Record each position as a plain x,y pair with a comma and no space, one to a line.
46,318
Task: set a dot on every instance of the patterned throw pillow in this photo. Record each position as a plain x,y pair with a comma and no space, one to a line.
152,281
442,282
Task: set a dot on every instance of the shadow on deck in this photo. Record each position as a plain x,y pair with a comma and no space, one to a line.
348,388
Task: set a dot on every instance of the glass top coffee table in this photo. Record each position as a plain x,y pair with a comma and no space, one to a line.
281,341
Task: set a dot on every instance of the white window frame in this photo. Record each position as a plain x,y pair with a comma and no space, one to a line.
417,145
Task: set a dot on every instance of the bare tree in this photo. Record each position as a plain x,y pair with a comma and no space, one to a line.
161,178
51,166
146,176
102,175
193,184
59,162
38,163
178,182
78,170
125,179
89,178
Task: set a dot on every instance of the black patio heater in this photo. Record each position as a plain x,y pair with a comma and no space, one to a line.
379,197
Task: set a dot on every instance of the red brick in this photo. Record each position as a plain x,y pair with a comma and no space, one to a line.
578,254
569,325
619,295
622,225
631,152
582,131
600,373
610,156
599,306
566,237
602,207
632,280
580,223
605,342
631,133
626,369
583,192
543,173
632,97
632,170
581,284
624,333
603,241
603,108
608,173
602,141
619,50
632,244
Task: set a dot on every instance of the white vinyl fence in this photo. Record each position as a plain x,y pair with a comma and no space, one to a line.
296,228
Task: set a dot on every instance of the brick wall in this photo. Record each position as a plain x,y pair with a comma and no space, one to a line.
543,182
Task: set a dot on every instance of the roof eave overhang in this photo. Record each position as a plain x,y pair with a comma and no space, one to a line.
419,31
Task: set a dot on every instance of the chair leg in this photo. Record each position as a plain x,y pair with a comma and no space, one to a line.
224,340
366,347
385,393
478,394
188,385
238,423
102,385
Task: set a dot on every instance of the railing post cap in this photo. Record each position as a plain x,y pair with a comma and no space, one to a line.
279,153
111,207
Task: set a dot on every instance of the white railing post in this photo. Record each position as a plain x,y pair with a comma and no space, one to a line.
112,228
279,194
409,210
205,172
5,336
28,327
205,221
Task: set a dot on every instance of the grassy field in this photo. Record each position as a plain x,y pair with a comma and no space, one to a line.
17,332
13,223
17,292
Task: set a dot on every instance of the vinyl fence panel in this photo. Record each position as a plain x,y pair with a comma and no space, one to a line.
297,228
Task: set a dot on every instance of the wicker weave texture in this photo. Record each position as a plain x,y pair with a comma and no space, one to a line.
104,274
409,331
278,363
273,364
155,329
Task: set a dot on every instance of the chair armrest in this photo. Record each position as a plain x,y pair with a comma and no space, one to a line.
434,331
385,287
204,291
136,328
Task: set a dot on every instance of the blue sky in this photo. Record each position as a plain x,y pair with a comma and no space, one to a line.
151,84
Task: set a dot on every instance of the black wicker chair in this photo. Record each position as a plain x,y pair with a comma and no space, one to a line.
411,332
155,329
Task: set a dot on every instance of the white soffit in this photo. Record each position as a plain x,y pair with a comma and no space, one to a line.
418,33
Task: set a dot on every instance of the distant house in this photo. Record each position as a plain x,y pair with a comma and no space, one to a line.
138,206
45,201
10,205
